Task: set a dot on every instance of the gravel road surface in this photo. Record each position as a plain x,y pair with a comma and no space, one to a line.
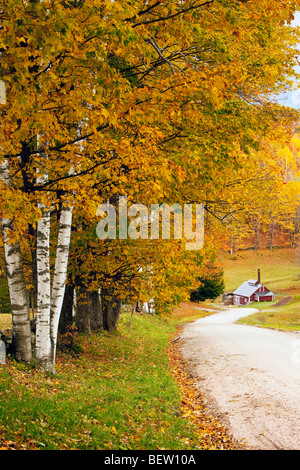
249,376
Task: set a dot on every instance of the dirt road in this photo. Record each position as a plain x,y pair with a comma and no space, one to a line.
250,377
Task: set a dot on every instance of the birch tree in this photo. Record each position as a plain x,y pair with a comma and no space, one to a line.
60,275
16,282
50,298
43,343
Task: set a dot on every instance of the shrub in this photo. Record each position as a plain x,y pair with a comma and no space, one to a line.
210,287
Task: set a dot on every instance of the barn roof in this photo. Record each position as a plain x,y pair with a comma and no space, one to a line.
247,288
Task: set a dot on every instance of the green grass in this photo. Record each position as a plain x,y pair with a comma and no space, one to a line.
283,318
280,272
119,394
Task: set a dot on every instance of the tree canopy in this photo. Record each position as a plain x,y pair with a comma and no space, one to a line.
161,101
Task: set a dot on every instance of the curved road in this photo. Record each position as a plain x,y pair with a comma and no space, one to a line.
250,377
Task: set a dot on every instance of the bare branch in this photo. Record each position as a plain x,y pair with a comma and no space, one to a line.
159,51
164,18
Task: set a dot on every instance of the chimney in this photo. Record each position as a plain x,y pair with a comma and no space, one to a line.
258,275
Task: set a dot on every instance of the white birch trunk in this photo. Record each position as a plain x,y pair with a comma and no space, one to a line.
50,301
16,282
42,341
60,274
42,335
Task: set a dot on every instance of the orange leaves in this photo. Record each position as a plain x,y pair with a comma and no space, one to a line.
17,444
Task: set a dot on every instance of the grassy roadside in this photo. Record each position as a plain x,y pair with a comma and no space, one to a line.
285,318
128,390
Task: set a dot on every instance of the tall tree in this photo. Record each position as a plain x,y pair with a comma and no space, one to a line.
16,282
155,101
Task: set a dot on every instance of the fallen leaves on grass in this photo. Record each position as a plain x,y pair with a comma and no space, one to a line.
6,444
188,310
5,321
18,443
212,435
32,379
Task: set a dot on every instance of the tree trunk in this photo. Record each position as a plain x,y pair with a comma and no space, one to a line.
66,316
89,311
272,233
95,311
111,307
43,275
60,275
295,232
256,232
83,317
50,302
16,283
42,342
33,293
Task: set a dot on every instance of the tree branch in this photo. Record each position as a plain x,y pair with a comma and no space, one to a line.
164,18
159,51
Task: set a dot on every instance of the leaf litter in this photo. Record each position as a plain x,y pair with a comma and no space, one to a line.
212,434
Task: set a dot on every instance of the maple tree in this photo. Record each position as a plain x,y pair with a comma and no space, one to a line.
159,101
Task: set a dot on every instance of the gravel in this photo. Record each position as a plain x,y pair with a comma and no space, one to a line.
249,376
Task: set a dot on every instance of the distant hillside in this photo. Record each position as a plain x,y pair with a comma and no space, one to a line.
279,268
